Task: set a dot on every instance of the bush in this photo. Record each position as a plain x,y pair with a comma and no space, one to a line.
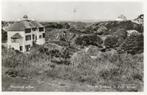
11,73
120,33
116,38
16,63
12,61
133,44
55,53
89,40
109,66
111,42
53,25
113,26
4,36
112,74
100,30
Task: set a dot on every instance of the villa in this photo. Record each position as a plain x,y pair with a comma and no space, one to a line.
23,34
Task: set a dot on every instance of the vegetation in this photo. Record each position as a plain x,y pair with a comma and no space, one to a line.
89,54
87,40
111,42
4,36
133,44
109,68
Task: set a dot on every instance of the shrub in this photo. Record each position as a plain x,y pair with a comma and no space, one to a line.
129,70
133,44
113,26
100,30
111,42
53,25
11,73
116,38
13,60
89,40
4,36
55,53
121,33
17,64
108,66
112,74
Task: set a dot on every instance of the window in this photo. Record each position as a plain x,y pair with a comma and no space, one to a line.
28,37
33,36
36,37
41,29
27,47
14,40
28,30
21,48
40,36
34,29
43,34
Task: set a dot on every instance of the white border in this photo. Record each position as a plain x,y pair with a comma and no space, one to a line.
86,93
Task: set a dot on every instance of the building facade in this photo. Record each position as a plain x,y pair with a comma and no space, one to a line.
139,19
22,35
121,18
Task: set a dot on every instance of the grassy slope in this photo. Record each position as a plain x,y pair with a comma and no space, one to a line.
90,75
101,74
48,85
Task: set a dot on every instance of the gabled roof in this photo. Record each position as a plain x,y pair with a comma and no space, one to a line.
16,36
36,23
22,25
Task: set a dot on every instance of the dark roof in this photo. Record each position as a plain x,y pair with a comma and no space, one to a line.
37,24
22,25
16,36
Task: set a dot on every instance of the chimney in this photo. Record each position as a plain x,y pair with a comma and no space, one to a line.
25,17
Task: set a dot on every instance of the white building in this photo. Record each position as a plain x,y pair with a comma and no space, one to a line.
121,18
22,35
139,19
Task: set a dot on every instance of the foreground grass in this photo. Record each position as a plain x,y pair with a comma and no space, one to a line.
109,71
19,84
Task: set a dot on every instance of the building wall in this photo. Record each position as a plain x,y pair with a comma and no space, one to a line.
20,42
37,39
41,40
23,42
28,42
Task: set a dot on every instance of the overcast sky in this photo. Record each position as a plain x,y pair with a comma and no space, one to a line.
71,11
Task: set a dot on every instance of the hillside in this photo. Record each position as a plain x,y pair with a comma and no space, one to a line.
79,56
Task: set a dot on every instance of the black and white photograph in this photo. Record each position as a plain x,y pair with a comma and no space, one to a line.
79,46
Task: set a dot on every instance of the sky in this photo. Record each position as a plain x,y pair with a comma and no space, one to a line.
70,11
